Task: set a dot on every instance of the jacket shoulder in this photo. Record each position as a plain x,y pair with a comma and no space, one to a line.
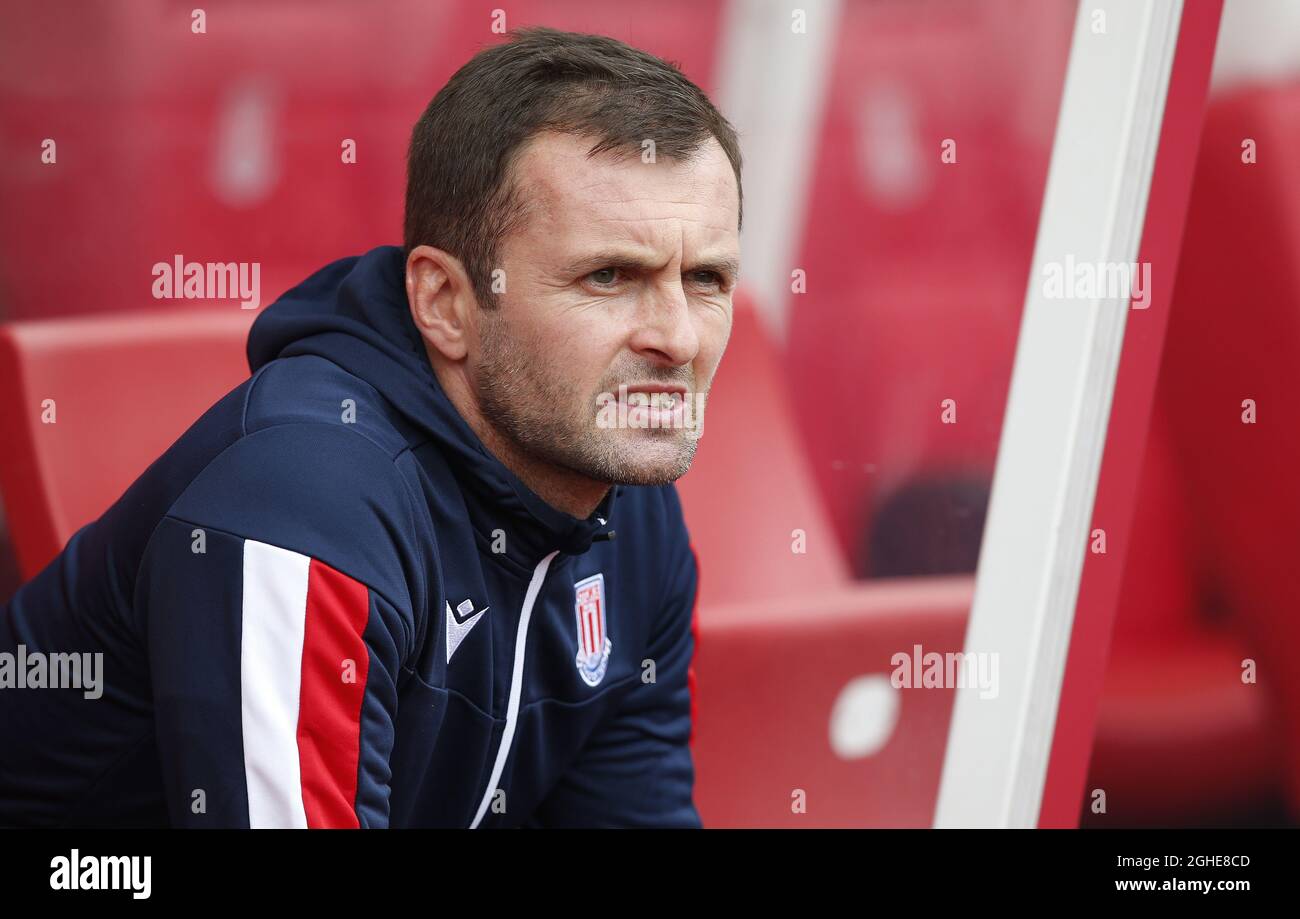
308,389
318,489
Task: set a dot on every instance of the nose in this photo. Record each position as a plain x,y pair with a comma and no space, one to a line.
665,328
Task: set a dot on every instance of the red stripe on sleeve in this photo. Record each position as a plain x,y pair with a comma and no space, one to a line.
335,663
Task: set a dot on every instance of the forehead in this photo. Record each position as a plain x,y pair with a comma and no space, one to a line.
574,199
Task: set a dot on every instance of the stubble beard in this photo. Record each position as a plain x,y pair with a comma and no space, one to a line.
540,418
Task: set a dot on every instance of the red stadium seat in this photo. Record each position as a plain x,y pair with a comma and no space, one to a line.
794,696
1234,335
91,402
916,268
228,146
765,609
750,489
1180,738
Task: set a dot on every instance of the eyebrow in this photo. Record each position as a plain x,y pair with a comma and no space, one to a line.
726,266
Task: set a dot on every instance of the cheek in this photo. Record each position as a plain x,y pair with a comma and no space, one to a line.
713,335
576,357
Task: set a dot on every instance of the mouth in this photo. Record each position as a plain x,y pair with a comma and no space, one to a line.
656,404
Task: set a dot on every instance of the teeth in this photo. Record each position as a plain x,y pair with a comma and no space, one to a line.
661,400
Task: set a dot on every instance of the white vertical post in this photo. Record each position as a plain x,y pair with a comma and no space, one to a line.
1054,430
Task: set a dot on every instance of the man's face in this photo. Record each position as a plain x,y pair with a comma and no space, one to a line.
616,309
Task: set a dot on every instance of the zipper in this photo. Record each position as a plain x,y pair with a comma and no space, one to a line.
516,685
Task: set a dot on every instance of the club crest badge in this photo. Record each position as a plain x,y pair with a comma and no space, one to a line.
593,642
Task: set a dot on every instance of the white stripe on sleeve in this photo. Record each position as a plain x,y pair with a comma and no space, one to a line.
270,676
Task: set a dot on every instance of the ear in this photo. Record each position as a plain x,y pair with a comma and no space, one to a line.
442,301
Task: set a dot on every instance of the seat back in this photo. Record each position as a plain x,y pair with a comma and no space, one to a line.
1234,335
750,489
797,723
90,402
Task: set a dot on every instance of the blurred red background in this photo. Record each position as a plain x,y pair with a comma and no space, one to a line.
226,146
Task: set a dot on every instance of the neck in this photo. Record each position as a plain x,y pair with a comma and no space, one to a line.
563,489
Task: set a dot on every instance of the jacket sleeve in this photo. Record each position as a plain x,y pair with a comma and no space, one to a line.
278,618
637,770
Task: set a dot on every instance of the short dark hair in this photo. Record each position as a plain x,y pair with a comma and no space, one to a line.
461,195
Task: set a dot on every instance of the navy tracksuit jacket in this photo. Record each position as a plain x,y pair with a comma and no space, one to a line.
328,605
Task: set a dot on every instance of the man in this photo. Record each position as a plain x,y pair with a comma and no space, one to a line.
427,566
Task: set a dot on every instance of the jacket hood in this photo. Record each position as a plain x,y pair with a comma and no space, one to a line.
353,312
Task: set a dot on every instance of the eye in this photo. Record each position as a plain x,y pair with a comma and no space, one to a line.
603,277
709,278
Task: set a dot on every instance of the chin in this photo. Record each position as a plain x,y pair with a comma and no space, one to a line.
653,463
